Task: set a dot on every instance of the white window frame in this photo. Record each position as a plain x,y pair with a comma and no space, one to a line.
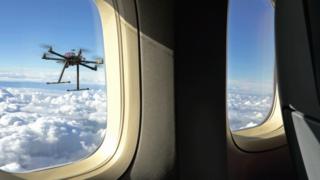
123,104
268,135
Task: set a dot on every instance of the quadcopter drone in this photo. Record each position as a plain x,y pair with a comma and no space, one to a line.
71,59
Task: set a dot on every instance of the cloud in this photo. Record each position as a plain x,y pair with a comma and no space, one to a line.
41,129
247,87
247,110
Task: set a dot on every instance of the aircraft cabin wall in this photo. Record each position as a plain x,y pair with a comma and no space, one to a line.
156,152
183,131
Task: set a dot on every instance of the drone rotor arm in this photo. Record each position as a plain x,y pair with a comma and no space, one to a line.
62,72
93,62
89,67
57,54
53,59
89,62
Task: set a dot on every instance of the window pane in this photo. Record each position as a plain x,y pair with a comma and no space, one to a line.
45,121
251,58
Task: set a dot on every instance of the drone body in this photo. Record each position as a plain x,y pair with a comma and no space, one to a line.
71,59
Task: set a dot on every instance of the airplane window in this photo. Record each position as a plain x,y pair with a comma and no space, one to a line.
52,83
251,58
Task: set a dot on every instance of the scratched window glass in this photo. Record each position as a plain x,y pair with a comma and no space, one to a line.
52,83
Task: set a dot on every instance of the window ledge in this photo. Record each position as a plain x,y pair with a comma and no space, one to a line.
267,136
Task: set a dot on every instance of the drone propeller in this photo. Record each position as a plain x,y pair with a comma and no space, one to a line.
46,46
96,61
99,60
84,50
45,55
60,62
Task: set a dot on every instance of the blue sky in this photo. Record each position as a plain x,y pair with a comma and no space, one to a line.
251,42
66,24
69,24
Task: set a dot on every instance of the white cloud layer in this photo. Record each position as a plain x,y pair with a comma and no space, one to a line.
248,110
43,128
39,128
246,87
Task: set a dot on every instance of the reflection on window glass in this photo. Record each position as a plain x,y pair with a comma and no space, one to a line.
251,58
52,83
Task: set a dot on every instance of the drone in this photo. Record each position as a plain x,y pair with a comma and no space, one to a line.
71,59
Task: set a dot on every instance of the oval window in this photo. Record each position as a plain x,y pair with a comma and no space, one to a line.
52,83
251,60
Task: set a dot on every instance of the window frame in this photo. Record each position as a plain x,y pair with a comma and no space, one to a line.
269,134
123,103
266,136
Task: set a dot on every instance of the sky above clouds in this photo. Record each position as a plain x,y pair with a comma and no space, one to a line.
65,24
251,42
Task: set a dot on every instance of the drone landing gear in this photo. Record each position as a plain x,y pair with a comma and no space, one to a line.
63,82
84,89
